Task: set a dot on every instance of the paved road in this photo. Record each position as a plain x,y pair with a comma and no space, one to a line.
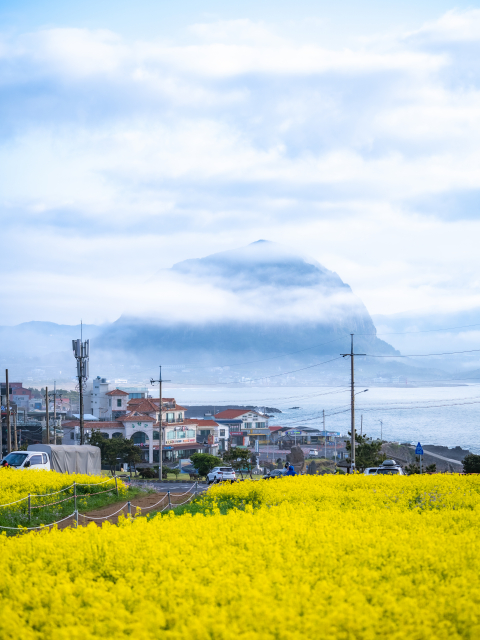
436,455
173,487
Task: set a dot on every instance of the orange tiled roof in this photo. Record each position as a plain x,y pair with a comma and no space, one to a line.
230,414
95,425
135,416
145,406
116,392
207,423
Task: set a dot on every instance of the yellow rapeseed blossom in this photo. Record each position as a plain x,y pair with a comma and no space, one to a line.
337,557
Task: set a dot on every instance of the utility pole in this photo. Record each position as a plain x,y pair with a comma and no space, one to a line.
47,425
324,435
352,401
54,412
54,395
9,429
160,406
15,443
82,352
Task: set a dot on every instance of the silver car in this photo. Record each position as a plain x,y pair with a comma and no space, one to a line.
390,468
275,473
370,471
221,474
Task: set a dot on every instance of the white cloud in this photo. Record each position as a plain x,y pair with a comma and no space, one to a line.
163,151
453,26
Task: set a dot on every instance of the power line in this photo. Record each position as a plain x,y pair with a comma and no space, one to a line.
401,333
276,375
453,404
422,355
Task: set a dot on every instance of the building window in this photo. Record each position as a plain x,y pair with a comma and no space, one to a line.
117,434
109,402
248,425
180,417
119,402
170,417
105,435
140,437
156,435
222,433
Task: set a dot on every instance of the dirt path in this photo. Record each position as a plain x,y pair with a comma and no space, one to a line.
112,512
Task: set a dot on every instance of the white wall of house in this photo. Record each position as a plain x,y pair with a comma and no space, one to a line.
116,403
96,402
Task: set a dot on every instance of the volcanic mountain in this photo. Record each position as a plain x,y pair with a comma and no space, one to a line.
259,301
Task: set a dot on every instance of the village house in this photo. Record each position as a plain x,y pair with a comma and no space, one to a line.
245,426
139,419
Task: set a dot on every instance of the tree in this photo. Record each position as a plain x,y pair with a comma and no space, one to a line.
414,467
471,463
240,459
130,453
204,462
110,450
367,451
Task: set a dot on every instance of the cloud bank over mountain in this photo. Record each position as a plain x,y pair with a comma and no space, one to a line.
263,300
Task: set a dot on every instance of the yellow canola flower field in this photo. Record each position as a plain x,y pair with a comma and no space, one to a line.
337,557
15,485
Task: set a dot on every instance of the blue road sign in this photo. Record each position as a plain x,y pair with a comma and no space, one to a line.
419,450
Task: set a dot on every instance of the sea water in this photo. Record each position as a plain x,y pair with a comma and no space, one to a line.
447,416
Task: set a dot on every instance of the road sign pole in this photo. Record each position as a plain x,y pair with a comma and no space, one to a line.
419,452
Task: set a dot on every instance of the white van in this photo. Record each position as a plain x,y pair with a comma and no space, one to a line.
27,460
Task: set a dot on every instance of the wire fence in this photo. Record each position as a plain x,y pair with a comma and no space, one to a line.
54,493
28,506
193,491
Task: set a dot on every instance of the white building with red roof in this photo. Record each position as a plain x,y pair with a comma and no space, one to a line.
140,421
117,403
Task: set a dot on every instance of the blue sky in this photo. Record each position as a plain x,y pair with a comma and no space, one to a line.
136,135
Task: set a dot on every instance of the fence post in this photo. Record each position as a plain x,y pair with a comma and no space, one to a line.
76,518
75,497
29,508
169,501
129,509
196,488
116,486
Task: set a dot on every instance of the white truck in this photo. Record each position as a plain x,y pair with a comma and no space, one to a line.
61,458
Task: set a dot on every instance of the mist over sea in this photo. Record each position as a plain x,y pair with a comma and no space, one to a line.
448,416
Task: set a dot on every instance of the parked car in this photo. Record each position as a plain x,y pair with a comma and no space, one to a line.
83,458
313,453
220,474
390,467
370,471
27,460
275,473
